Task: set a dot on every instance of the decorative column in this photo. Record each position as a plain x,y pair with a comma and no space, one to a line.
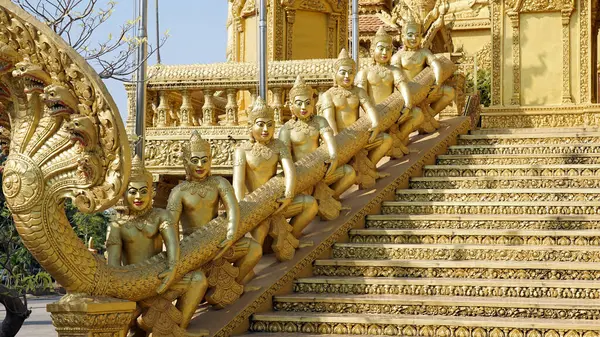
277,105
516,55
161,110
231,109
585,59
496,8
82,316
332,23
290,16
566,55
208,109
186,110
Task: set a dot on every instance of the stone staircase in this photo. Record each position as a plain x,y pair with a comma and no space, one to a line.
499,239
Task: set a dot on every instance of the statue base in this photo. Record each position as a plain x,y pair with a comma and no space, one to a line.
79,315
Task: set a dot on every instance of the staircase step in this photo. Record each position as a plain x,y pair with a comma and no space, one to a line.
450,287
516,149
483,221
505,182
588,170
476,236
475,269
296,334
465,252
566,130
518,159
531,194
537,138
420,325
499,208
462,306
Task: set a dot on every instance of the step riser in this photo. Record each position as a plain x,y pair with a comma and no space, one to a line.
483,224
519,161
464,254
505,183
530,141
446,310
478,240
438,272
492,197
495,210
410,329
511,172
446,290
526,150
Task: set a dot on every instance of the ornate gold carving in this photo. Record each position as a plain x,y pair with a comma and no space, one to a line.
585,44
486,223
516,57
566,53
497,49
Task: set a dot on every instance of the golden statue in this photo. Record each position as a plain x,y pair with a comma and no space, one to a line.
195,202
380,80
413,59
340,106
302,134
255,162
138,233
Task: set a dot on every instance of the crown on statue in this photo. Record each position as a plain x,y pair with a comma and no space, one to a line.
382,36
412,23
300,88
260,109
196,144
344,60
139,172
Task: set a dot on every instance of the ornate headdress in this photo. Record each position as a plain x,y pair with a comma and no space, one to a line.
196,144
381,36
139,172
412,22
344,60
260,109
300,88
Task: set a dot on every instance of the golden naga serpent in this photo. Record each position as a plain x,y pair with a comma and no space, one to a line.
68,142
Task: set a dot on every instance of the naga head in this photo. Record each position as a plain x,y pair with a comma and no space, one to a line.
34,77
83,131
59,100
8,57
197,158
302,103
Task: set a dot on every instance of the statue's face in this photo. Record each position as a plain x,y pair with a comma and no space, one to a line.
198,165
345,77
303,106
138,195
263,129
412,37
383,52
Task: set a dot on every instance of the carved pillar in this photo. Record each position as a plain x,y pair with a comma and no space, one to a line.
231,109
516,56
130,124
290,16
332,23
161,110
566,55
585,59
78,316
277,105
253,95
497,51
186,110
208,109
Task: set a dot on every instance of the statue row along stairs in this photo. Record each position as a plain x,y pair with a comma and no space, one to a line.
498,239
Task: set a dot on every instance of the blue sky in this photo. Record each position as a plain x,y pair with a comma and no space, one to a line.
197,34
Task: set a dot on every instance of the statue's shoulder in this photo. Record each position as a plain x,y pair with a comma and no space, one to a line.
279,147
245,146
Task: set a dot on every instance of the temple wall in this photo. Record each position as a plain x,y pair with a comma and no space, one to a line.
310,36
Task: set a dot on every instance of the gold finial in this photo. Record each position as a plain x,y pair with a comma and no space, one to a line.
382,36
139,172
344,60
300,88
260,109
197,144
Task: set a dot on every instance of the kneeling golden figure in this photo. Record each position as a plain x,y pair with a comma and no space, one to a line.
302,134
255,162
340,106
136,234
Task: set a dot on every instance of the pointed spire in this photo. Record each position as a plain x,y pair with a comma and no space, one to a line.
260,109
138,171
300,88
344,60
197,144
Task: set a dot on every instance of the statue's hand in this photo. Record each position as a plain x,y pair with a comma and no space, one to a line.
333,162
404,115
167,276
283,203
374,132
224,245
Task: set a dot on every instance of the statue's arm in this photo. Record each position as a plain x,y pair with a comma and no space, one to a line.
284,136
328,110
114,245
239,173
361,79
175,206
328,137
289,171
169,232
369,107
232,207
435,65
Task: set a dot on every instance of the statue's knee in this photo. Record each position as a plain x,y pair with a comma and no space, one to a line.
310,204
386,140
417,116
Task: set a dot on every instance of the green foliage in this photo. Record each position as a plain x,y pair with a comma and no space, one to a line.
484,85
88,226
